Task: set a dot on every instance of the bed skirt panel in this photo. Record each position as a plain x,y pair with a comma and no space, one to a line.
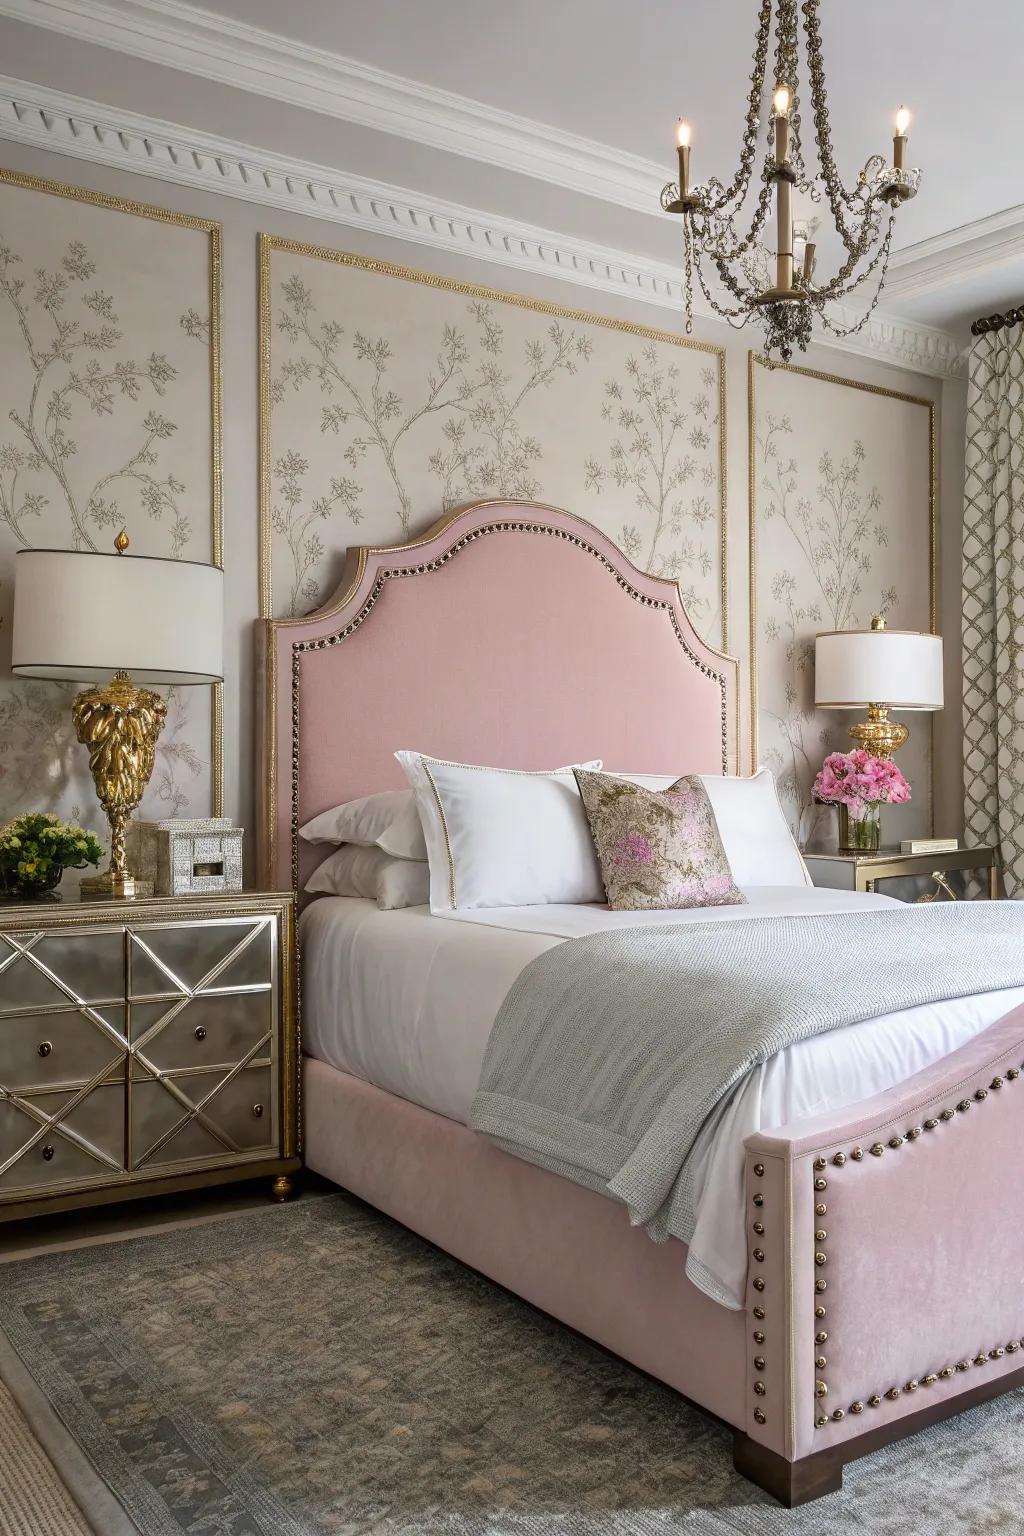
569,1251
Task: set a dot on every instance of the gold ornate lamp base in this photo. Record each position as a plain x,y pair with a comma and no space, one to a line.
120,724
878,734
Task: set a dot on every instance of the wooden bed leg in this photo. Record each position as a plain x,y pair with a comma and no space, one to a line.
791,1482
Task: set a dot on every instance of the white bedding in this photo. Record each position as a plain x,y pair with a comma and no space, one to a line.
406,1001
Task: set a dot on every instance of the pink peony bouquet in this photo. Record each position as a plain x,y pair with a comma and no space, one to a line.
860,781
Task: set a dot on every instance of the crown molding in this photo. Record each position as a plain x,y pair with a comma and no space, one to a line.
186,37
956,254
69,125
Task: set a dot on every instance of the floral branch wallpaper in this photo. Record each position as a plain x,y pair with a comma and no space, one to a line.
106,421
393,397
841,509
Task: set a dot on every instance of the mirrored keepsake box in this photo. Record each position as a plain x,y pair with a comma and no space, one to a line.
187,858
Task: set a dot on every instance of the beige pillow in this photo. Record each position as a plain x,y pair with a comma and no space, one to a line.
657,849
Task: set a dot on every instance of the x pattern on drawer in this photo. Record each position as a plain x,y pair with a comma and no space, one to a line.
54,1123
138,1048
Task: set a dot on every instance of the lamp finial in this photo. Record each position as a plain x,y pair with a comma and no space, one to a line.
878,622
121,542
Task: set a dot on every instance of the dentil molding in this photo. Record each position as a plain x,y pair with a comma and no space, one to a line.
31,114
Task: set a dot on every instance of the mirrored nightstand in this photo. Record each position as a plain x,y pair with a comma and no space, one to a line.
864,871
145,1047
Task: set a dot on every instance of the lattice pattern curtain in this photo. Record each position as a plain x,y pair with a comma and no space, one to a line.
993,600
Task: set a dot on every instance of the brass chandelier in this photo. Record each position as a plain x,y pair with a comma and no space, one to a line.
778,288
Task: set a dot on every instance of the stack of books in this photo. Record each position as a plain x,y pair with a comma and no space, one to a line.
929,845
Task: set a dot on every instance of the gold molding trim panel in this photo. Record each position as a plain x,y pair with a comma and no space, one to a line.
270,243
212,229
755,360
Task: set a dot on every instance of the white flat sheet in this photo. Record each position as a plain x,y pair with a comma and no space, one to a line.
406,1001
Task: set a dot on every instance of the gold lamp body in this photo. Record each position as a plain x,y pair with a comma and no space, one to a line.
119,725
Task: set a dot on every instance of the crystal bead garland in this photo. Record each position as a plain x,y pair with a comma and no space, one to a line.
768,285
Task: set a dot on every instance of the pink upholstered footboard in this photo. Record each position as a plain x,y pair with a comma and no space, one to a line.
887,1256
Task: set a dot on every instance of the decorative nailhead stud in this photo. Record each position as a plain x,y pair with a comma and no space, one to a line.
758,1283
981,1359
1013,1073
913,1133
820,1389
821,1209
758,1336
857,1407
760,1417
821,1184
821,1337
821,1420
759,1170
963,1365
821,1285
930,1125
912,1385
759,1255
759,1362
1012,1347
820,1363
964,1106
759,1389
820,1235
892,1394
877,1149
759,1313
759,1228
820,1259
946,1114
839,1159
819,1311
857,1154
819,1163
838,1414
759,1200
996,1083
930,1379
874,1401
895,1141
996,1354
946,1372
981,1093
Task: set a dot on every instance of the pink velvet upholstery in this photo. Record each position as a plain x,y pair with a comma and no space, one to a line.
566,1249
516,635
923,1249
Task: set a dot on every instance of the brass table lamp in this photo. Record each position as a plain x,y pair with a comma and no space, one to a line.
118,622
878,669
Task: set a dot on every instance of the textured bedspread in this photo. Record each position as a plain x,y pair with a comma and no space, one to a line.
611,1051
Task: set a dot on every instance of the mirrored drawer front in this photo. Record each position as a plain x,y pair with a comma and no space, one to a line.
171,1123
43,1143
40,1050
193,955
208,1031
44,970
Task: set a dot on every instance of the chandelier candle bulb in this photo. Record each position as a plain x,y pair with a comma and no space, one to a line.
899,143
683,146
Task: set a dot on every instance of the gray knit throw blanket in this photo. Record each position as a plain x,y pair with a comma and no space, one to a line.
611,1051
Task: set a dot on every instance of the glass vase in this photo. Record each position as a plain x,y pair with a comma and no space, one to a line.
860,836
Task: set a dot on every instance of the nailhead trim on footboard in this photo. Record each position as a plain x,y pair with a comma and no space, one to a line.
856,1155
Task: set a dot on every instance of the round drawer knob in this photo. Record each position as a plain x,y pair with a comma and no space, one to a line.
257,1110
200,1032
45,1047
47,1154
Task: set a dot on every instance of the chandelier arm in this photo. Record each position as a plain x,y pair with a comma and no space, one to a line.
838,287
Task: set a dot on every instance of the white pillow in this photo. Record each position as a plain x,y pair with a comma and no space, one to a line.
371,873
388,820
751,823
499,837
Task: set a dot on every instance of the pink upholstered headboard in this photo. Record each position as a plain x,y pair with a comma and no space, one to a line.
511,634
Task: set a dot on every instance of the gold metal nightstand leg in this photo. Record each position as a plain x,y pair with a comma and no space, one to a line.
993,883
282,1187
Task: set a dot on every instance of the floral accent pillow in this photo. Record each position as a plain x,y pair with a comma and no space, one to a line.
657,849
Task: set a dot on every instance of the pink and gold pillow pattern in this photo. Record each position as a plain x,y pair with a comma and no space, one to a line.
657,849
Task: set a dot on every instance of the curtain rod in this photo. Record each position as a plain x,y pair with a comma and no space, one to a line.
996,322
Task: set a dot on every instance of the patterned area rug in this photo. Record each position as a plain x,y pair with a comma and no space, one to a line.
316,1368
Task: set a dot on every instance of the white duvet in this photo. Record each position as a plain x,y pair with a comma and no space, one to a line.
406,1001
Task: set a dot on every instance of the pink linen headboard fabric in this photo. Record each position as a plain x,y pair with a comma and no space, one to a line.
510,634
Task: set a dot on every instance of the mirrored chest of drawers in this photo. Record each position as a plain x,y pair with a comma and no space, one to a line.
145,1047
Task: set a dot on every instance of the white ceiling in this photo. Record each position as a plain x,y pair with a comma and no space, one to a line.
622,74
608,81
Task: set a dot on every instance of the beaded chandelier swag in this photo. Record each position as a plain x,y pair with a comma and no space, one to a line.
713,214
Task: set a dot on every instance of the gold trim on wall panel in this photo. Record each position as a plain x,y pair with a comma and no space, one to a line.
270,243
757,358
212,229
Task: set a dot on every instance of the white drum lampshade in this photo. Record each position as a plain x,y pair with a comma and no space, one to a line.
878,669
120,623
80,617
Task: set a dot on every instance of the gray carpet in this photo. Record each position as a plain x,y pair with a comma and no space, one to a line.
315,1368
